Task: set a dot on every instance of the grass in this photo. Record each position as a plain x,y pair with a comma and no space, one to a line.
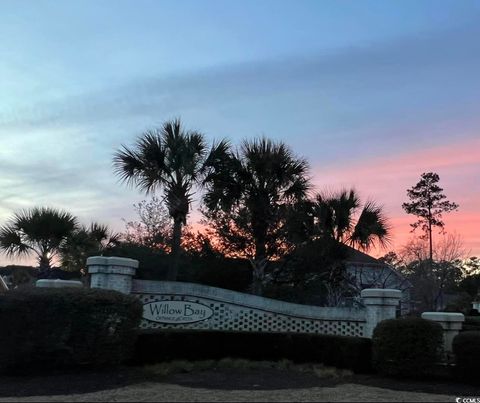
180,366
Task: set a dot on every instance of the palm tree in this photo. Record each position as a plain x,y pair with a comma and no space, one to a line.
251,187
41,231
168,159
84,242
336,218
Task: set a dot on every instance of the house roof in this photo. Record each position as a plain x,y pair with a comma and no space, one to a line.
355,256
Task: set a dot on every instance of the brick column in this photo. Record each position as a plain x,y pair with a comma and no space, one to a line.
380,304
112,273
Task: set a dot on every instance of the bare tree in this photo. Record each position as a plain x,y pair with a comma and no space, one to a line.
432,278
153,227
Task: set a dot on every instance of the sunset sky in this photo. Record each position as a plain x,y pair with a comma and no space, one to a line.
372,93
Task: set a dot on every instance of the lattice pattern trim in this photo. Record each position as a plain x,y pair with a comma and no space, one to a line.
237,318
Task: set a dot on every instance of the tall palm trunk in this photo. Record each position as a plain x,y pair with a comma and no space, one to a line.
176,248
259,263
44,266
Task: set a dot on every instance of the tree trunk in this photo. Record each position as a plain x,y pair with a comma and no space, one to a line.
176,248
258,275
44,267
259,263
439,301
431,241
430,237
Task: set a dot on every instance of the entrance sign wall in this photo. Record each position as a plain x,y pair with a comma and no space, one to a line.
174,306
218,309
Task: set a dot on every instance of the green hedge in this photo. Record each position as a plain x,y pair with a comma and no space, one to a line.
47,328
408,347
343,352
466,347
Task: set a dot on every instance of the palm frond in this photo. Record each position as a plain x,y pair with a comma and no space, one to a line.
44,223
41,230
371,228
143,166
11,242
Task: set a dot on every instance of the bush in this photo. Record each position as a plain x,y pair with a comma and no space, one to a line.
222,272
471,323
153,263
466,347
461,303
215,271
57,328
407,346
343,352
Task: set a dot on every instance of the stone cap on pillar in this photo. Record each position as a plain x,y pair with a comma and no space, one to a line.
446,319
112,265
57,283
381,296
112,261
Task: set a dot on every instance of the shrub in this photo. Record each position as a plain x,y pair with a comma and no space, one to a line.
153,262
215,271
343,352
461,303
471,323
466,347
56,328
407,346
228,273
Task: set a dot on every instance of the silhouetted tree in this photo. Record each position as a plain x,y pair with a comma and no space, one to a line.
247,192
170,159
432,278
41,231
471,281
153,227
84,242
342,217
428,203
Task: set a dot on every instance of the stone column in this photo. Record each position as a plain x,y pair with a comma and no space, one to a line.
451,323
381,304
112,273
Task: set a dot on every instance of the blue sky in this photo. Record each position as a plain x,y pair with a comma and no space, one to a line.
343,82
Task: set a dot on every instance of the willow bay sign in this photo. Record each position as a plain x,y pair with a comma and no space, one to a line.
178,312
174,306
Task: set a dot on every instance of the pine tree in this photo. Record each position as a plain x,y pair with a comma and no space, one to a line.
428,203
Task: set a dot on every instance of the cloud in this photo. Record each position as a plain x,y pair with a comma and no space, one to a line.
405,72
